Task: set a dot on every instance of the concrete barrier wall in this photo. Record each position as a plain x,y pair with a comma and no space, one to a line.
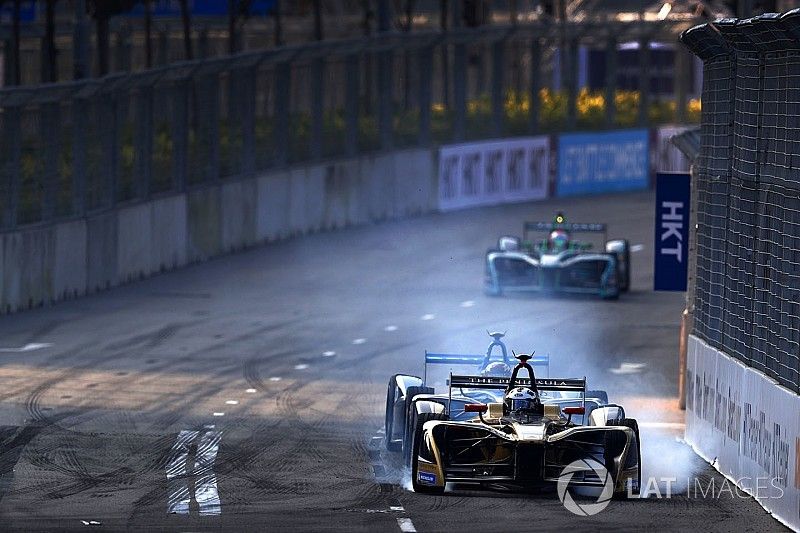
68,259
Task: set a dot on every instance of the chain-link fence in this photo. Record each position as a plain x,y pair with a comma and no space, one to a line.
747,297
77,148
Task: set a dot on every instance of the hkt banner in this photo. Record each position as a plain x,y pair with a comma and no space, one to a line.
493,172
747,426
672,230
592,163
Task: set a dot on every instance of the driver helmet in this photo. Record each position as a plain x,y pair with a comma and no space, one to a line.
496,369
558,240
520,398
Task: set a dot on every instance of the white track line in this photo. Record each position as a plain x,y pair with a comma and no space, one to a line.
301,366
390,328
468,303
206,485
232,402
178,496
275,378
250,391
406,525
329,353
637,247
429,316
218,413
359,341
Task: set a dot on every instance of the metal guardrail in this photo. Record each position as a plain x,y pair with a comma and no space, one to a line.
74,148
747,300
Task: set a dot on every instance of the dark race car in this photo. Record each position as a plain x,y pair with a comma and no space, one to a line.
539,429
558,262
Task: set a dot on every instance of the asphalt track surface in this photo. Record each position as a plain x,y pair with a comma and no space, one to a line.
201,399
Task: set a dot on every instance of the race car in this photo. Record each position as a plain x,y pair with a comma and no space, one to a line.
410,399
558,263
541,427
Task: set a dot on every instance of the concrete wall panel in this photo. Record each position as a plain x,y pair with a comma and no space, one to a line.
168,233
297,201
315,197
70,260
204,224
134,243
272,219
238,215
101,252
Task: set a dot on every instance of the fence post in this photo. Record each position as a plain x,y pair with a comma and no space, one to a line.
281,133
50,130
247,93
317,108
681,75
351,105
644,81
12,142
611,81
498,68
571,58
180,133
79,109
459,91
425,65
386,108
143,142
536,85
212,127
110,143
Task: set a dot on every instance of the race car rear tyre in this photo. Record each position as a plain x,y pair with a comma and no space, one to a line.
629,423
411,392
389,419
415,443
599,394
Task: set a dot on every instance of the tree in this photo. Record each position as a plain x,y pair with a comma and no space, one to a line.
407,26
101,11
237,10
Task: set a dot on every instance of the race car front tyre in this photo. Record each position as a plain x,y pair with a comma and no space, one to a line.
415,444
612,443
408,429
389,419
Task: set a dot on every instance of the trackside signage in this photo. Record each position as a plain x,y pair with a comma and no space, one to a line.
672,231
747,425
594,163
493,172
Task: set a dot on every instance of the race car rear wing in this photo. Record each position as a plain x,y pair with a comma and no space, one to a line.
479,361
500,383
571,227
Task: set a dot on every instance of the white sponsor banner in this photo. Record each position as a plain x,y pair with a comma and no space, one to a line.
493,172
747,426
666,156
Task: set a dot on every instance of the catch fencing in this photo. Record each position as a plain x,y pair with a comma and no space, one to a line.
75,149
747,296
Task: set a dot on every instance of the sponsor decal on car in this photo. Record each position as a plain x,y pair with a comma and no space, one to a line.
426,477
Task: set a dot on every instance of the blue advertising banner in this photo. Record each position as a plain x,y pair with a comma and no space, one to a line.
27,12
203,8
592,163
672,230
